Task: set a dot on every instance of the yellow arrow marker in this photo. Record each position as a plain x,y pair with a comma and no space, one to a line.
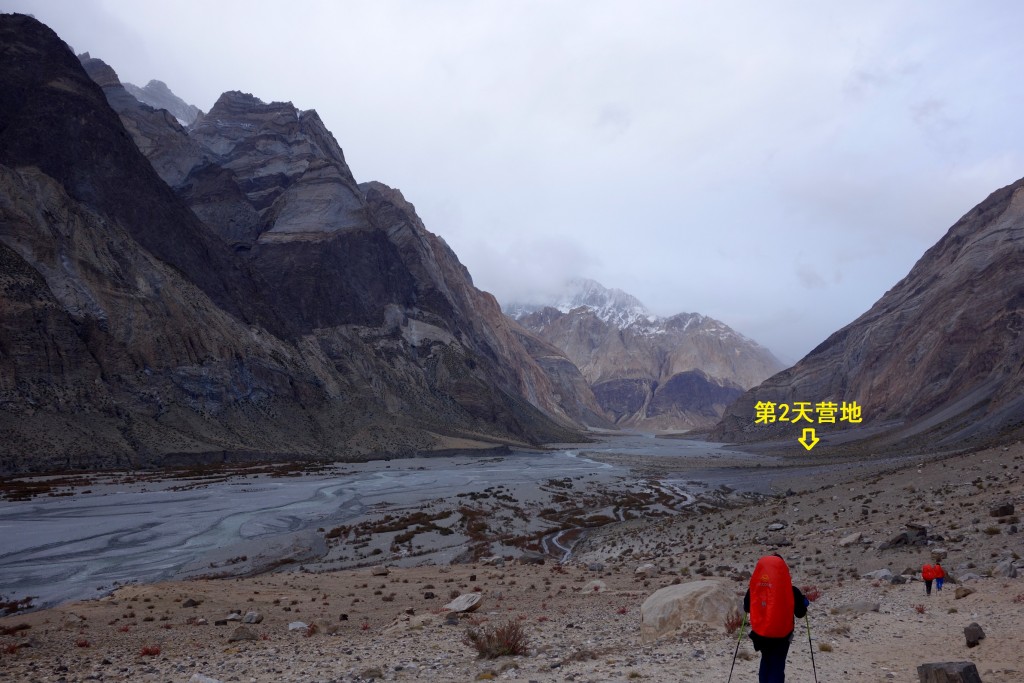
808,440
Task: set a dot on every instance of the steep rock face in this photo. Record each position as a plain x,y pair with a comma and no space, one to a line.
157,95
132,335
287,164
675,372
156,132
939,357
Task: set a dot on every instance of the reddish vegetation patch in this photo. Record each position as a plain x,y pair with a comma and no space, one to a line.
811,592
149,651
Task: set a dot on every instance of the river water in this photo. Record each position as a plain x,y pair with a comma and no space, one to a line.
82,545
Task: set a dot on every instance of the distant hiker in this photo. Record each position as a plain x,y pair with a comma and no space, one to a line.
928,574
772,601
940,575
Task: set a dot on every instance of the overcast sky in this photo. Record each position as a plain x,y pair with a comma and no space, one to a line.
775,165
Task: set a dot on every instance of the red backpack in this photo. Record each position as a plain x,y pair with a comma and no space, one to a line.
771,598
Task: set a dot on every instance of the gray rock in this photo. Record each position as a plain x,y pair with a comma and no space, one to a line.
298,626
962,592
200,678
379,570
878,575
241,633
939,554
595,586
780,541
898,580
1004,510
234,616
252,618
862,607
646,570
1005,569
847,541
967,576
595,567
467,602
776,526
974,634
189,602
948,672
531,557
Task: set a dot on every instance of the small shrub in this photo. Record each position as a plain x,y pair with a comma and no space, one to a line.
1019,598
125,628
365,626
622,610
149,651
993,530
920,609
10,648
824,647
82,642
499,641
733,622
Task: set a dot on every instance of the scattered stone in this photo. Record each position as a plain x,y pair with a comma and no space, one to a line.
646,571
595,586
974,634
298,626
1004,510
467,602
189,602
1005,569
878,575
862,607
200,678
776,526
234,616
948,672
379,570
531,557
710,601
898,580
252,618
939,554
221,622
595,567
201,622
967,576
495,561
241,633
343,617
429,595
847,541
962,592
779,541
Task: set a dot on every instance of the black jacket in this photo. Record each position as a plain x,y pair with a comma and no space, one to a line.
800,604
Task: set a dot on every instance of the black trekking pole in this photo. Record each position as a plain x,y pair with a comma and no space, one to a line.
811,646
738,639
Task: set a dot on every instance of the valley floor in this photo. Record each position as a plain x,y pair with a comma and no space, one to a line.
392,627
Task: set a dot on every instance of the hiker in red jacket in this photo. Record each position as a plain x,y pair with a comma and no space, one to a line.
928,574
940,575
772,601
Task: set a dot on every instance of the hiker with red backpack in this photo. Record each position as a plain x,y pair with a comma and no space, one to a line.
928,575
772,602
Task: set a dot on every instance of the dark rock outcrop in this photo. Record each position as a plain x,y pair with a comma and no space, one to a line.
938,359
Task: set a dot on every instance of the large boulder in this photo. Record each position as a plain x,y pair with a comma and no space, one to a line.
974,634
709,601
948,672
467,602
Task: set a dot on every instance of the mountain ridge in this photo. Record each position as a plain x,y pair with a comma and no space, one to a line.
639,364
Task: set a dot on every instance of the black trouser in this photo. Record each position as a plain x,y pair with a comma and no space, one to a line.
928,586
773,658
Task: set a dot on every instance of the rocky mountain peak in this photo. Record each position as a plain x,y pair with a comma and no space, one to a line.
285,162
157,95
648,371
